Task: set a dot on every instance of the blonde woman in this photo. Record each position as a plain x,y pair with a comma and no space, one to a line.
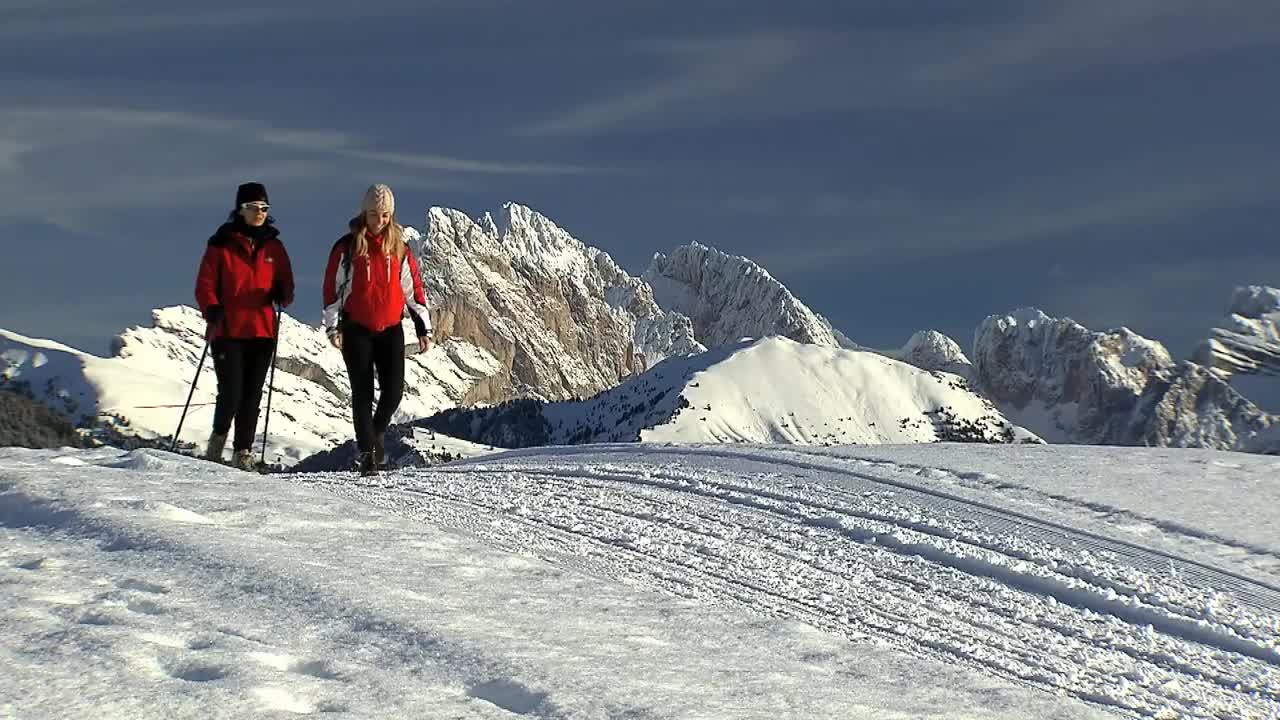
370,284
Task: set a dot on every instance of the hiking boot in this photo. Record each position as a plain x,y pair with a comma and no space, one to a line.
380,451
367,466
217,442
244,461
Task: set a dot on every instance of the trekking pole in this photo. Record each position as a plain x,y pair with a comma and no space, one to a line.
199,367
275,344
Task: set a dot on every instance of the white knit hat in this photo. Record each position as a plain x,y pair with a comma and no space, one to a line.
378,197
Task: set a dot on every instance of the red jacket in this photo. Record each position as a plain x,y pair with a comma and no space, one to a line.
372,290
240,275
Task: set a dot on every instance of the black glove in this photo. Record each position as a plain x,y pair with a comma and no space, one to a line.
277,297
214,314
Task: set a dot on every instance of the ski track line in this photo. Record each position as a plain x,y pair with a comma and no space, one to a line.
1262,594
955,562
718,589
951,649
1252,591
890,626
1004,625
1102,510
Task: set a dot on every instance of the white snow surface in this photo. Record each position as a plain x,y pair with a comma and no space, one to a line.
145,382
646,581
776,390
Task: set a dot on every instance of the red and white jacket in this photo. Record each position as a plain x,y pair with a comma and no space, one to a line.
242,276
372,290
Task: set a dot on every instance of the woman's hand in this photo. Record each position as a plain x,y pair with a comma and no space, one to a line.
336,340
424,343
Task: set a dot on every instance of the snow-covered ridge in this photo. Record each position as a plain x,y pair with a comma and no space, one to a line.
140,390
764,391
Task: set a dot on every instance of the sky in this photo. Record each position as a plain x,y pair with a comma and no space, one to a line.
899,166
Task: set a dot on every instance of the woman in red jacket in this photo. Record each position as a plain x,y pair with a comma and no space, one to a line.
370,283
244,271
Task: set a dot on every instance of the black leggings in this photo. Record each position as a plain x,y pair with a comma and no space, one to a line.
241,366
368,353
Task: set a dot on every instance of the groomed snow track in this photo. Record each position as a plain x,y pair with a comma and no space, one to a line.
867,550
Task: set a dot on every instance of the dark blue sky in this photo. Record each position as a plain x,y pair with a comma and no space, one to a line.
898,165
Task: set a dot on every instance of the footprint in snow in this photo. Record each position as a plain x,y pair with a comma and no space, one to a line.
196,671
510,696
320,669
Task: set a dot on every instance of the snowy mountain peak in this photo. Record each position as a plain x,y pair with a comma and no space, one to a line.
730,296
1247,341
535,239
933,350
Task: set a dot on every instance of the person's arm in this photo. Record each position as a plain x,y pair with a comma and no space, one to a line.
335,288
207,290
415,300
282,287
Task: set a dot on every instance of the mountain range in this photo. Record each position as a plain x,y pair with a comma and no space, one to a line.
544,339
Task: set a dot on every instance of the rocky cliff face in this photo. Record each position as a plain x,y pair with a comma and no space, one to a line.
563,320
730,297
1069,384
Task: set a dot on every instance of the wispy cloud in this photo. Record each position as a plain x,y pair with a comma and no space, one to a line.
796,71
72,160
33,23
705,69
906,226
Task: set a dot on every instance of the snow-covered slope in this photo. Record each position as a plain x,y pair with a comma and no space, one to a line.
562,318
1069,384
647,581
770,390
730,297
141,388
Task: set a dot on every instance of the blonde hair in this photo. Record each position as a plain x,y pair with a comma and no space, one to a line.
393,244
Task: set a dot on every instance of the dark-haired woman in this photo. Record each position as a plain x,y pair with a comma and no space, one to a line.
245,270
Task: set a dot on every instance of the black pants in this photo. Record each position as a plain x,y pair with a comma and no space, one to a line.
367,354
241,366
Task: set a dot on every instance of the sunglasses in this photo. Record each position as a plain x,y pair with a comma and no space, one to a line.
260,207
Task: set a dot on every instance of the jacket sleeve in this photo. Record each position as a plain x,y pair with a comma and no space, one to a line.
336,286
284,276
415,301
207,279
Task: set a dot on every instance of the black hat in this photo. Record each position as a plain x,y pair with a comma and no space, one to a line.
251,192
